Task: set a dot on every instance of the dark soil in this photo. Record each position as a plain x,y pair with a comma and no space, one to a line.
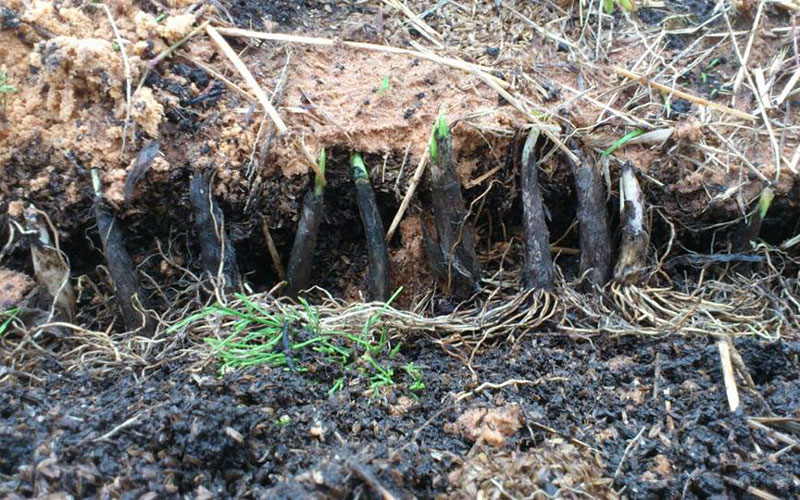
264,433
287,14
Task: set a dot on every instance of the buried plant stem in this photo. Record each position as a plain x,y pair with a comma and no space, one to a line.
298,273
595,236
217,254
453,257
538,268
130,295
752,228
373,231
632,258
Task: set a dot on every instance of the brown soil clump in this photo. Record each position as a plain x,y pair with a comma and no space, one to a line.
488,425
14,287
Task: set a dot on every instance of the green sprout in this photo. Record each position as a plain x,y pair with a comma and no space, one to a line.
764,202
443,128
319,181
440,129
416,377
254,336
608,5
160,17
10,316
382,376
384,85
622,140
337,386
5,88
359,169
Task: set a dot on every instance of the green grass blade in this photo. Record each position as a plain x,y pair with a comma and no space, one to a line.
621,141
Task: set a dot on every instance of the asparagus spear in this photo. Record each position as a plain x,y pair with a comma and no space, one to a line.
595,235
538,268
305,241
131,298
454,259
632,258
373,230
217,253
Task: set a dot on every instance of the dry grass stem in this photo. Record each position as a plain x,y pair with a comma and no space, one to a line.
327,42
683,95
727,373
248,77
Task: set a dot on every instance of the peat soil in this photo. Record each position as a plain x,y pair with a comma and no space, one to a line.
651,413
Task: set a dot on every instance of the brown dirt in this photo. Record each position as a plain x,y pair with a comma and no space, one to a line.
488,425
71,99
13,288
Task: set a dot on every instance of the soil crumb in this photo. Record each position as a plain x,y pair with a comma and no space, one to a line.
489,425
13,288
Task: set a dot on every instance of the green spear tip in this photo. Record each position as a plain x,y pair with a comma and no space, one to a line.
322,159
96,184
442,127
359,168
765,201
319,181
434,152
357,161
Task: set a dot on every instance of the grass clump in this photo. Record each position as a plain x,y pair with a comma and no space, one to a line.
254,336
